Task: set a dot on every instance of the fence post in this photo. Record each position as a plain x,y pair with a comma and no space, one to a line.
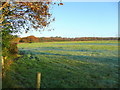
2,62
38,80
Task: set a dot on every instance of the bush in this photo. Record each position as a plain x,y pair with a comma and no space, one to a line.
13,48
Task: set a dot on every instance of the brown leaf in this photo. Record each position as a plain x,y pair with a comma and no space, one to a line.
47,2
61,3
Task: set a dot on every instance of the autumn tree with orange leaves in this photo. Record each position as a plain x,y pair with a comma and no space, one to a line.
17,16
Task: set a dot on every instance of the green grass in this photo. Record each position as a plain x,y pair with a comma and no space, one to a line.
77,64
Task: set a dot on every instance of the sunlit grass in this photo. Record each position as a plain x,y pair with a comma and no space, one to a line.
68,64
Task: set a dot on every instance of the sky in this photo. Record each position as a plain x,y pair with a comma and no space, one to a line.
82,19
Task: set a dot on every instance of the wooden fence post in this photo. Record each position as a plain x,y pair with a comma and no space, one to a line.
2,62
38,80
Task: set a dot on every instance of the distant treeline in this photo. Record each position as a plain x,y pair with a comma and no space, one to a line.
31,39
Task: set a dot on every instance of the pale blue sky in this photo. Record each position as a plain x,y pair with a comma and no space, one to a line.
83,19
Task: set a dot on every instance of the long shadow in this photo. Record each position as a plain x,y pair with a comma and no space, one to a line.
67,73
112,60
59,49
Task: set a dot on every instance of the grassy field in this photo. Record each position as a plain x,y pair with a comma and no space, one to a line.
75,64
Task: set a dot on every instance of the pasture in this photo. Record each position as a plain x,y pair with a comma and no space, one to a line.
74,64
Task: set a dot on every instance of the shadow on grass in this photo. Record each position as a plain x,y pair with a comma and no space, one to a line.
62,74
112,60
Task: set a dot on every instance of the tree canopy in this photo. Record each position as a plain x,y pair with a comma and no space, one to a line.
26,15
17,16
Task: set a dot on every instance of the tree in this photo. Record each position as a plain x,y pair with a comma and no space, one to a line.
16,16
29,39
21,15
